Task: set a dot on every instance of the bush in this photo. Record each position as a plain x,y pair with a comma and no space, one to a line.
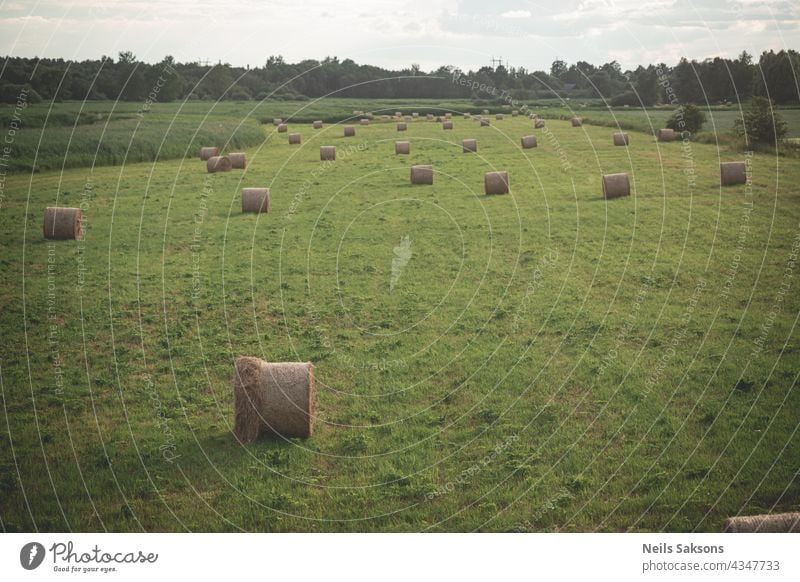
689,118
761,124
626,98
12,93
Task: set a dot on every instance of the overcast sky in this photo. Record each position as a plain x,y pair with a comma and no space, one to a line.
397,33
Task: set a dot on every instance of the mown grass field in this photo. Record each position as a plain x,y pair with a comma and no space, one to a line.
545,361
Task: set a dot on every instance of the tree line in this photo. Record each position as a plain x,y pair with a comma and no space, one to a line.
126,78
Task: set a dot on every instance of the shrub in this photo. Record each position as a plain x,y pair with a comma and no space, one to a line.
689,118
760,124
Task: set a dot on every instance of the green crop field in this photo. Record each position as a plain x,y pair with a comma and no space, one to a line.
540,361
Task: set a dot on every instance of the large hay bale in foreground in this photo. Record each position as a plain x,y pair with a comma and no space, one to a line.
62,223
666,135
283,128
447,125
318,124
402,147
294,139
238,160
208,152
349,131
401,127
218,164
621,139
327,153
577,122
422,174
538,124
484,122
276,399
528,141
255,199
732,173
616,185
495,182
499,117
776,523
469,145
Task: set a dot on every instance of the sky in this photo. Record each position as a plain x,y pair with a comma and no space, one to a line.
395,34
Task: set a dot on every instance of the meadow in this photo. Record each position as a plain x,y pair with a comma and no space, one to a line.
545,361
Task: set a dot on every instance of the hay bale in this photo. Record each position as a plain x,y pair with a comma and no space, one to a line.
616,185
415,114
364,121
398,114
208,152
577,122
407,117
255,199
776,523
61,223
467,115
276,399
318,124
499,117
277,121
422,174
484,122
621,139
401,127
528,142
538,124
485,112
349,131
283,128
447,125
294,139
429,116
495,182
514,113
369,115
732,173
327,153
666,135
448,115
238,160
402,147
218,164
469,146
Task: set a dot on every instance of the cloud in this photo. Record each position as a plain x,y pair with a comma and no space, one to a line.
516,14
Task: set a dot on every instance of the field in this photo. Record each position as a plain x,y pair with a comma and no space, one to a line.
543,361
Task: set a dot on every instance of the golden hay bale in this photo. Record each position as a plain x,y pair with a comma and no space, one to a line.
349,131
666,135
538,124
621,139
776,523
467,115
385,117
62,223
616,185
495,182
415,114
422,174
732,173
577,122
401,127
447,125
429,116
294,139
209,152
484,122
469,145
255,199
402,147
369,115
318,124
398,114
277,121
528,141
364,121
238,160
283,128
276,399
327,153
514,113
407,117
218,164
448,115
499,117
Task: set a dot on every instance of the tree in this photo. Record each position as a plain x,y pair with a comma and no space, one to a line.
760,124
688,119
558,68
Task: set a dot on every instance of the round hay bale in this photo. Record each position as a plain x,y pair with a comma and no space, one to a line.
255,199
402,147
238,160
666,135
208,152
318,124
495,182
499,117
621,139
577,122
364,121
429,116
401,127
385,117
528,142
484,122
61,223
415,114
514,113
218,164
407,117
277,121
467,115
349,131
398,114
422,174
448,115
776,523
616,185
485,112
327,153
369,115
447,125
538,124
469,146
283,128
294,139
732,173
276,399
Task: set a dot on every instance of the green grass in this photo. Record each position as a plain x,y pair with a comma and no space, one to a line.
545,361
